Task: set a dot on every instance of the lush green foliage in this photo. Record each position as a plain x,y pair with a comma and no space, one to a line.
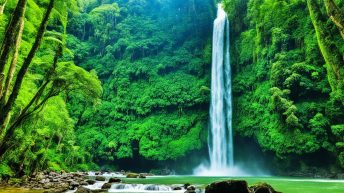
282,92
153,59
133,82
47,137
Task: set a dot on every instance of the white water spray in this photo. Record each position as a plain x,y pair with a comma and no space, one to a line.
220,140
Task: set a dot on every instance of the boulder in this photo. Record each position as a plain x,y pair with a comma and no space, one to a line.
186,185
262,188
40,176
106,186
177,188
74,185
48,185
114,180
83,190
60,188
100,178
142,175
91,182
132,175
230,186
84,183
190,189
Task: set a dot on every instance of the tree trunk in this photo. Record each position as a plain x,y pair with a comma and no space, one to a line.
330,52
20,77
2,7
10,38
12,27
335,15
26,112
12,68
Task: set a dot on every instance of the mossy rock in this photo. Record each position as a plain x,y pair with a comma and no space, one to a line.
100,178
114,180
133,175
229,186
262,188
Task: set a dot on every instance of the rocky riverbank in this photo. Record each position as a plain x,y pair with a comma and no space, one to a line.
53,182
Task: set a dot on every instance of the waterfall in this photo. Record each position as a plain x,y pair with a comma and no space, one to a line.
220,139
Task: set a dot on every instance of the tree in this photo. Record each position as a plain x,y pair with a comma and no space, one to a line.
2,6
7,106
336,15
329,50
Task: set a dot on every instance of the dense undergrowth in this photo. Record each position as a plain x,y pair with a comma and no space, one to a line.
128,80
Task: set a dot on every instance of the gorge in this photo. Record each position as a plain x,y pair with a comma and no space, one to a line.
158,87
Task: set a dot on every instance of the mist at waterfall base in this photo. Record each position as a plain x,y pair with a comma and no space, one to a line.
220,140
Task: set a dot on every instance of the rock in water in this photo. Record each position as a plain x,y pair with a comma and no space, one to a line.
100,178
142,175
114,180
106,186
91,182
230,186
263,188
133,175
83,190
74,185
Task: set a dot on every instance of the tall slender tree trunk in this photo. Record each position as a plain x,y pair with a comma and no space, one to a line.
29,108
22,72
330,52
335,15
12,68
2,7
10,38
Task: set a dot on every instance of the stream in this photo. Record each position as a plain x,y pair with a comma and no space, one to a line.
164,184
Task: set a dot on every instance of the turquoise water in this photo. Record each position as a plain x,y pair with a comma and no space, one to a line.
282,184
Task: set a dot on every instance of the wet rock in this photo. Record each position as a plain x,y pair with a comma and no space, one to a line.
106,186
91,182
177,188
83,183
142,175
74,185
132,175
186,185
263,188
83,190
190,189
114,180
100,178
230,186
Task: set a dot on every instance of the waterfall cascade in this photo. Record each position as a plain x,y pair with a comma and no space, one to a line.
220,140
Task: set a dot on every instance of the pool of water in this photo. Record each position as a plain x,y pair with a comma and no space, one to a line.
283,184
